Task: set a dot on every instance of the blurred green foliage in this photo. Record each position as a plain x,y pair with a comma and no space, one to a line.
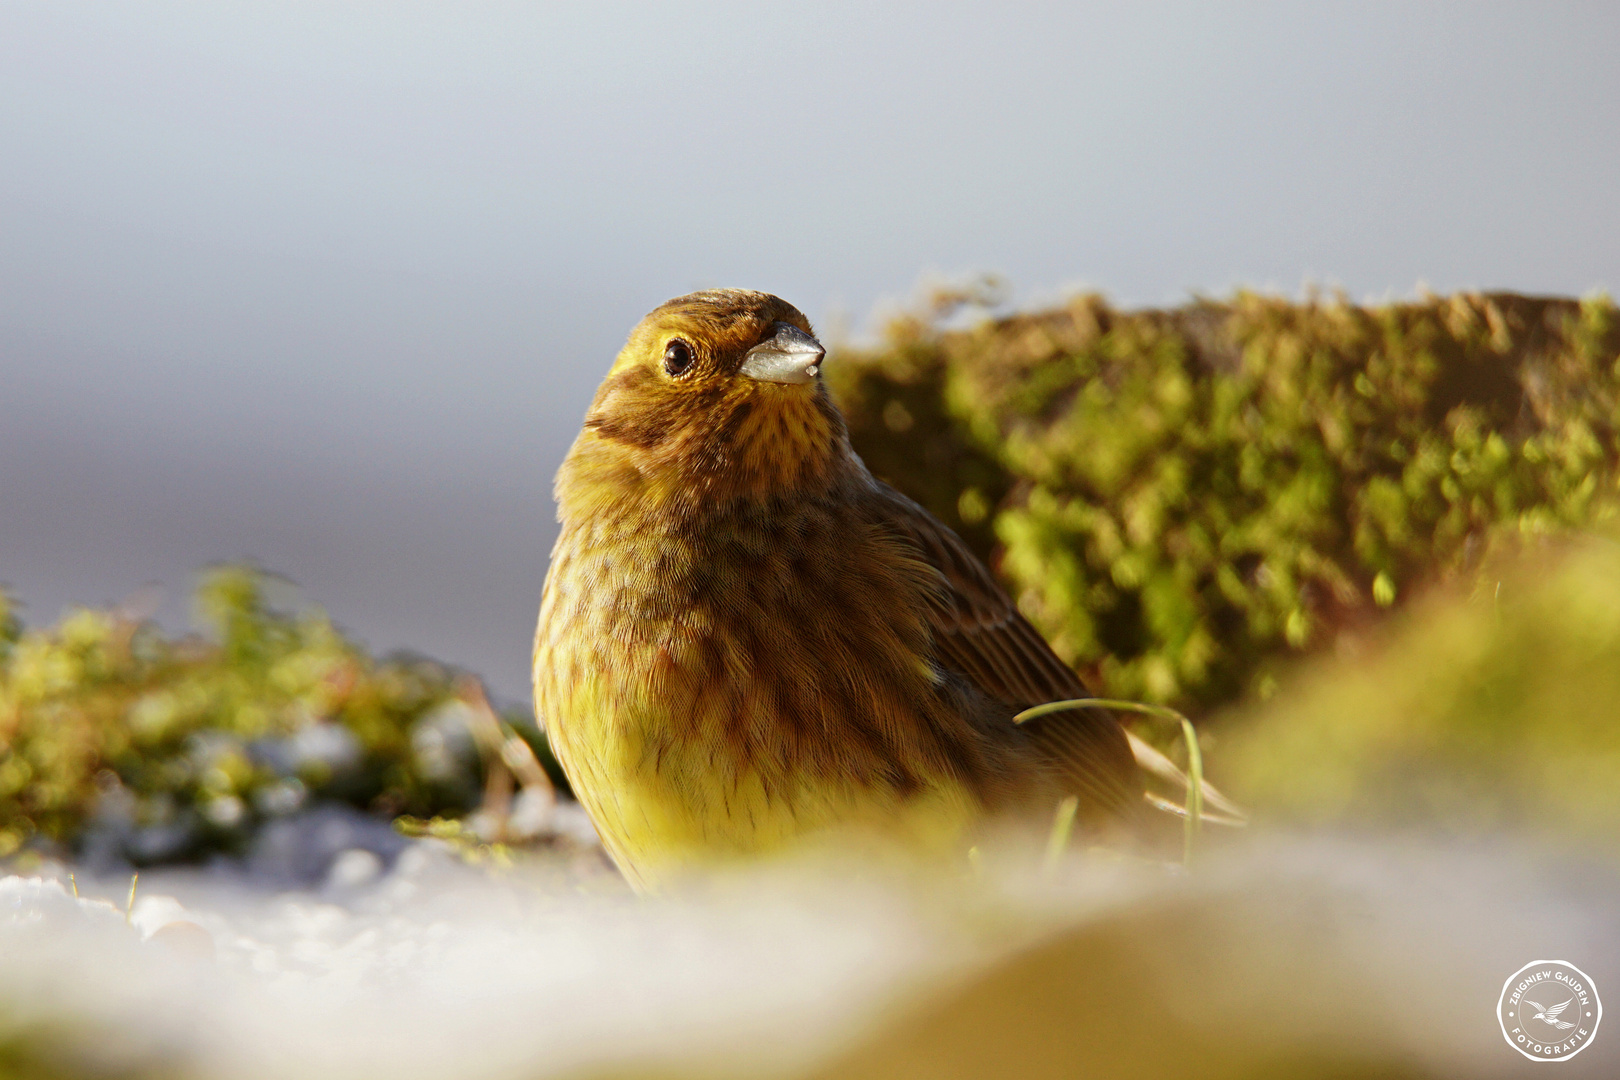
152,748
1484,714
1178,499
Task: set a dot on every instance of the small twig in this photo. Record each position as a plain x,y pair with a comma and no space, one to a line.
73,883
129,905
519,757
506,754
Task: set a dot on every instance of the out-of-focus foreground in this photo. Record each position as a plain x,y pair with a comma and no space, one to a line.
1432,778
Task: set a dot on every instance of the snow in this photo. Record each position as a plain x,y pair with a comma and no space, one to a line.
336,951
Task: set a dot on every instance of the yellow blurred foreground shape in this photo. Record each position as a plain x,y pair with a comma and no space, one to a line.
1495,713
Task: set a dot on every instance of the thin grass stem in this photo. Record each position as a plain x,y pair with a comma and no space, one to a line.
1192,823
1062,826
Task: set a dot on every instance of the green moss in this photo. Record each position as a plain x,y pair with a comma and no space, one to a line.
1179,498
113,733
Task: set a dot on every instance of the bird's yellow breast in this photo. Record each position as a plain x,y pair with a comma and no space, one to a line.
727,685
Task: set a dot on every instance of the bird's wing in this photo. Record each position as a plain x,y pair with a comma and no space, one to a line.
979,634
1541,1010
977,629
1552,1013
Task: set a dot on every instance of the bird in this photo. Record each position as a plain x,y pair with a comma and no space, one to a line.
746,639
1551,1015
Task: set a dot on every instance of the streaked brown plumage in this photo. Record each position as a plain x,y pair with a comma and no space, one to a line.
745,637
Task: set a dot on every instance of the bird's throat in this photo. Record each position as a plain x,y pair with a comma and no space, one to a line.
690,456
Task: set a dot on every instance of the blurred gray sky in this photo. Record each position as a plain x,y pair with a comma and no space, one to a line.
329,285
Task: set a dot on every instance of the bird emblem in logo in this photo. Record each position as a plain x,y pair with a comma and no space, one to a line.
1551,1015
1549,1032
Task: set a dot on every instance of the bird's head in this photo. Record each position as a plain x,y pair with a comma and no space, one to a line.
716,394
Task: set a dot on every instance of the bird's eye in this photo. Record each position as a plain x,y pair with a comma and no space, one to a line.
677,356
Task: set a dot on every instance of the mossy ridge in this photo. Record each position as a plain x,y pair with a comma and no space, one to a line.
1179,498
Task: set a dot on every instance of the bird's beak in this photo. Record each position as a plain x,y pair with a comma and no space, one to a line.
788,356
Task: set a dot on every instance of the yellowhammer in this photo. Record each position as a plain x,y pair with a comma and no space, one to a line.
746,638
